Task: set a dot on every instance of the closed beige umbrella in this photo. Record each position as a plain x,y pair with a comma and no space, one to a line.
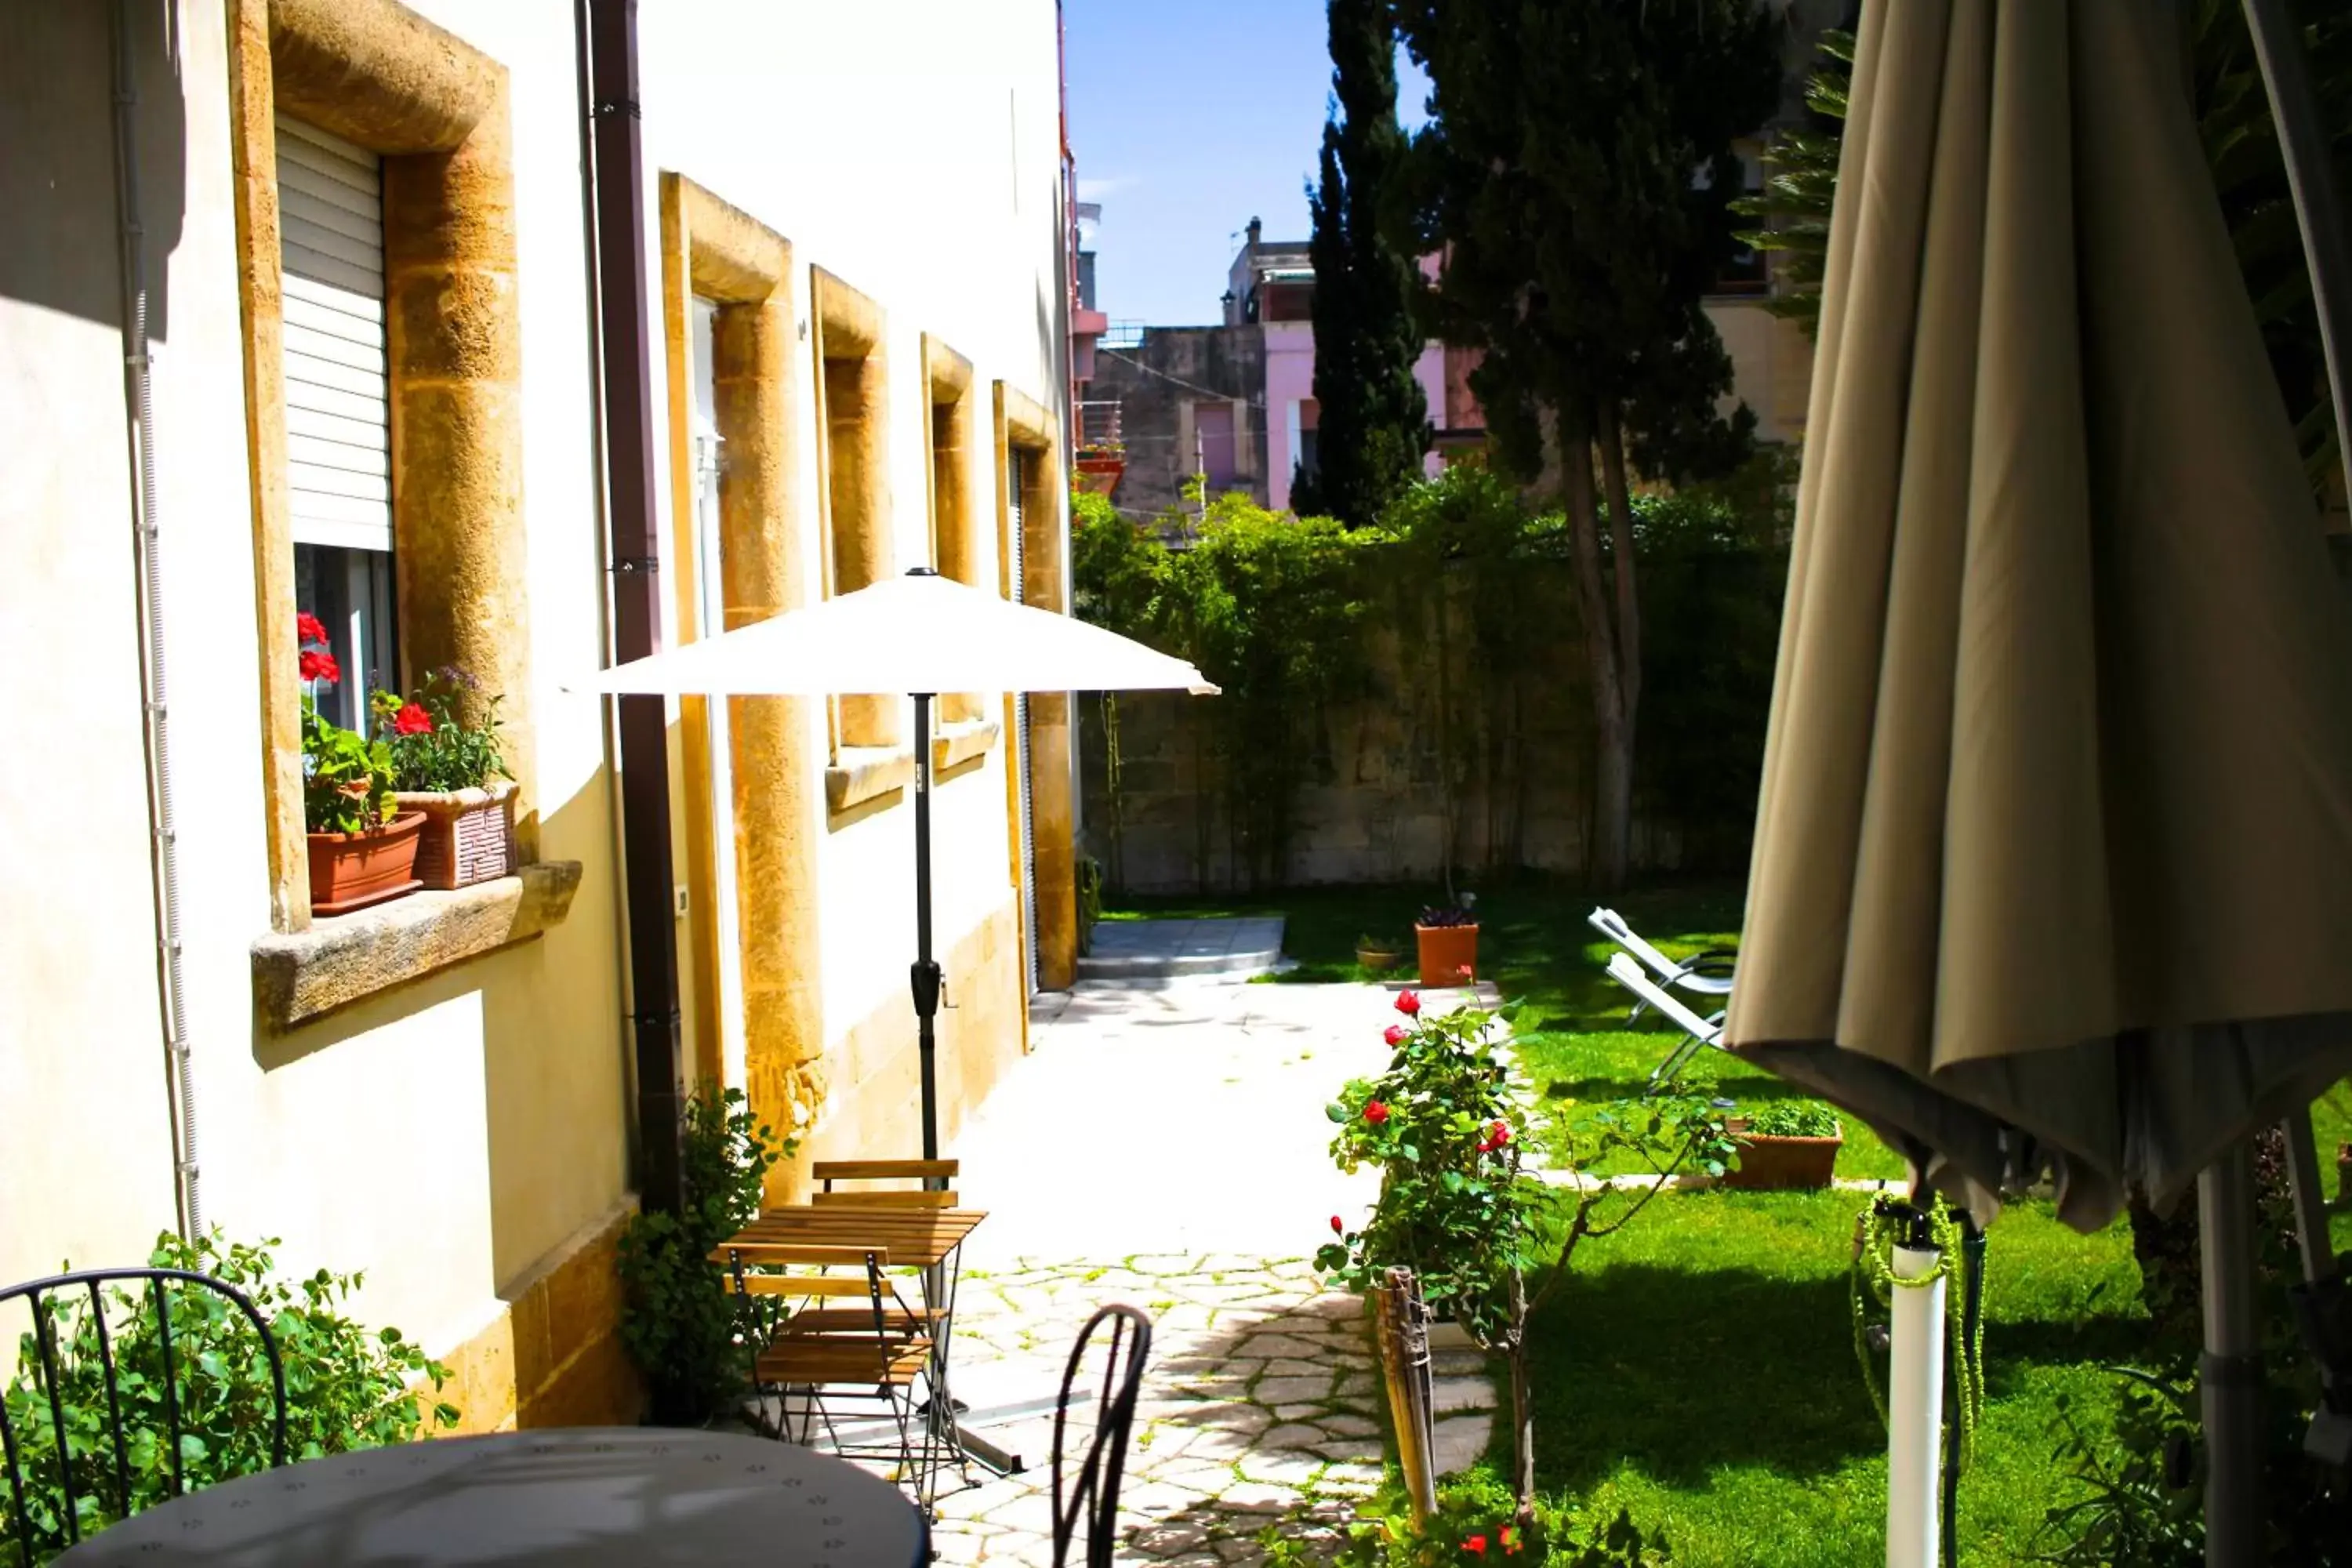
2054,864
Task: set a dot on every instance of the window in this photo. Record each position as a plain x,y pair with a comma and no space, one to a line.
1309,412
338,423
853,423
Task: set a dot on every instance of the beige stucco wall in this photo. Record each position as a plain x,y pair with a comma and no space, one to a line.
1771,365
452,1137
922,171
463,1139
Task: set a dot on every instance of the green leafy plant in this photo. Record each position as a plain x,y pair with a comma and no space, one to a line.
433,746
346,1387
2133,1501
1460,1207
692,1339
1793,1119
1476,1522
346,779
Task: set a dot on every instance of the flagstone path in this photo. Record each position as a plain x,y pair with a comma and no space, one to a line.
1163,1146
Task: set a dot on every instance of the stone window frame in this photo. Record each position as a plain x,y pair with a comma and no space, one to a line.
1027,425
715,251
951,409
437,110
869,763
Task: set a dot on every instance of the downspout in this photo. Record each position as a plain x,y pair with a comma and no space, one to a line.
613,145
139,397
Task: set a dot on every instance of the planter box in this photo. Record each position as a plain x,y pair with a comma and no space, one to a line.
1449,954
469,835
1378,961
1767,1164
353,871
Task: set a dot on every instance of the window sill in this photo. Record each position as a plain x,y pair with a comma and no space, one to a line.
299,977
864,774
962,741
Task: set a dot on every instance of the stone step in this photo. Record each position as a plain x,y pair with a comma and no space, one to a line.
1178,949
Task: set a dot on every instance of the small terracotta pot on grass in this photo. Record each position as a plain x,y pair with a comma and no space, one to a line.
354,870
1379,960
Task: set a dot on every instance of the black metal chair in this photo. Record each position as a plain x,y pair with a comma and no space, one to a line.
1093,1496
62,1430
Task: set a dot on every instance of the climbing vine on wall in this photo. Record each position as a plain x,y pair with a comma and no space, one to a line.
1281,612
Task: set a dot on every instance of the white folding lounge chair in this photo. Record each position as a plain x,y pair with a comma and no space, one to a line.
1700,1032
1706,974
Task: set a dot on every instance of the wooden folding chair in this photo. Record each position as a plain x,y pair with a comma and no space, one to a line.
872,1354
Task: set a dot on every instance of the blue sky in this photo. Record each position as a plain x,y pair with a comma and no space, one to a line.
1188,116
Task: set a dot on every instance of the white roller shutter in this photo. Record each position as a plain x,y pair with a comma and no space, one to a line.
338,423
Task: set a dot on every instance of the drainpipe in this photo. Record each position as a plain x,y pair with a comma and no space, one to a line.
139,397
608,38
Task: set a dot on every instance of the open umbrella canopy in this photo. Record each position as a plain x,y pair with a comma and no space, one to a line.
2054,859
919,633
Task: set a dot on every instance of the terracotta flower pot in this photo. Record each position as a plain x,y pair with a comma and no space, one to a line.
1379,960
1449,954
1768,1163
469,834
352,870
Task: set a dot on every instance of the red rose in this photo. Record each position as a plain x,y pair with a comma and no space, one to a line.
1337,1228
318,666
1502,1133
1396,1034
1408,1003
1476,1544
411,720
1511,1541
309,627
1375,1112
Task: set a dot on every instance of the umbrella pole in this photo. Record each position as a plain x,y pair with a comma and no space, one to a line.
1914,1402
925,977
926,980
2230,1378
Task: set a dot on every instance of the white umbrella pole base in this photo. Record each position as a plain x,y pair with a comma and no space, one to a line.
1915,1411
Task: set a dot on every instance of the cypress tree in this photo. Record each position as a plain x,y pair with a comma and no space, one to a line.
1374,422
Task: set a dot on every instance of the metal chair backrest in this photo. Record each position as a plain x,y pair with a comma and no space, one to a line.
50,1475
1092,1495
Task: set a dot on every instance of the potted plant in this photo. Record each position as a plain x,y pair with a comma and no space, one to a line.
450,772
1788,1143
362,849
1379,954
1447,936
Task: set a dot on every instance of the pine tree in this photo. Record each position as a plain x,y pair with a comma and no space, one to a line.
1577,175
1373,421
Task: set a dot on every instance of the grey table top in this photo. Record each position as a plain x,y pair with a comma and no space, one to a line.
569,1496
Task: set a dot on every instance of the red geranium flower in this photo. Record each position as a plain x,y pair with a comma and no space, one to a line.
321,666
1375,1112
411,720
309,627
1510,1540
1502,1134
1337,1228
1395,1034
1476,1544
1408,1003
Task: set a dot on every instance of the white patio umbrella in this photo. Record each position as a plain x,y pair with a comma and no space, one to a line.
918,634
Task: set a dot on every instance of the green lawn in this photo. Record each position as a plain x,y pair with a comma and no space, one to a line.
1698,1368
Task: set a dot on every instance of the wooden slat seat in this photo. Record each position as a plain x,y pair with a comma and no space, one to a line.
901,1199
884,1170
797,1360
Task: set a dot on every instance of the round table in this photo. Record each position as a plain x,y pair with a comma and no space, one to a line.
573,1496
